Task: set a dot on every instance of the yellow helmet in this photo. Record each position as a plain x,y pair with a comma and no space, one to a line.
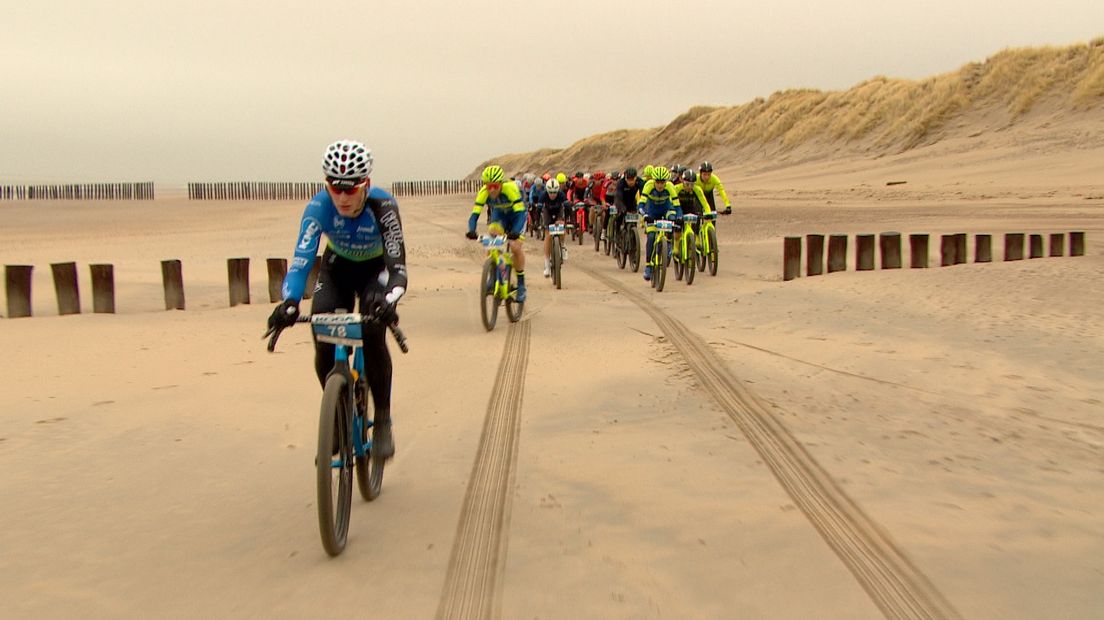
561,178
659,173
492,174
647,174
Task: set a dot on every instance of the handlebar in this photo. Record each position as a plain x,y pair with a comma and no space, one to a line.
273,333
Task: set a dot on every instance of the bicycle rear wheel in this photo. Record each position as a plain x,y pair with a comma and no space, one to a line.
596,230
488,304
334,465
369,471
619,253
660,275
513,306
557,262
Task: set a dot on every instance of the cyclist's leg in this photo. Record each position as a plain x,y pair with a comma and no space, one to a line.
333,291
377,358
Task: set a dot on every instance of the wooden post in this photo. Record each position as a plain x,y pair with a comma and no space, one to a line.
791,258
103,288
1057,244
17,283
918,251
1013,246
237,269
864,252
814,257
277,269
837,253
65,285
312,278
1077,244
983,248
960,248
1036,246
948,248
891,249
172,276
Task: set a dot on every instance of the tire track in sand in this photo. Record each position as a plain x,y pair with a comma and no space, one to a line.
887,575
474,578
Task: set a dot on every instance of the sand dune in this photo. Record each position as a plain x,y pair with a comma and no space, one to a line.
1020,99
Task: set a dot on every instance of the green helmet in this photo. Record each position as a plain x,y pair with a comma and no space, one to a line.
659,173
492,174
647,173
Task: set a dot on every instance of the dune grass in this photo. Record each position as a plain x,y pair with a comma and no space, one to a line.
879,115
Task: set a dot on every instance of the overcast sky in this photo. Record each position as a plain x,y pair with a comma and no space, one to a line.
173,90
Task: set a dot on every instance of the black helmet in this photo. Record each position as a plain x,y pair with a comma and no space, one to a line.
579,174
688,175
630,171
706,167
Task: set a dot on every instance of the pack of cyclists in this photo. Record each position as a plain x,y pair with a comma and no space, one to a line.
654,191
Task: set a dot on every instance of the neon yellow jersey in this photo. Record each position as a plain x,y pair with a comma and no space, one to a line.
508,198
713,184
658,196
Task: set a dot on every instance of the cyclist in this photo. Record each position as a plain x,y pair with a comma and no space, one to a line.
365,259
658,200
646,173
610,194
507,211
691,199
553,205
577,191
625,194
709,182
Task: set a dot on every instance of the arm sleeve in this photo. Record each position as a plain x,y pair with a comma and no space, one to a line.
721,189
306,248
700,195
394,246
480,201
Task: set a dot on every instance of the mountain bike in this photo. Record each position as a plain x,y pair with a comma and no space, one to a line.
557,232
343,422
580,222
627,246
660,255
686,250
498,283
707,243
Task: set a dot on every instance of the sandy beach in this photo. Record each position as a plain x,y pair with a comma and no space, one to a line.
738,448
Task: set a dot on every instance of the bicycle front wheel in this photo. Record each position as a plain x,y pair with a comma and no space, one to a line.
660,275
334,465
713,258
633,248
557,262
488,304
678,256
689,246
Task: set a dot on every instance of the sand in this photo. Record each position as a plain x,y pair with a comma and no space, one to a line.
946,425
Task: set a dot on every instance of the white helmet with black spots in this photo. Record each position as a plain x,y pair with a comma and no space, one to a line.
552,186
347,159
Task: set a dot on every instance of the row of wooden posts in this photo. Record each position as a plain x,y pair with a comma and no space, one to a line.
79,191
18,285
435,188
253,190
952,250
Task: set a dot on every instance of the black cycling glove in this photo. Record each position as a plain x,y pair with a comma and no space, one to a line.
284,314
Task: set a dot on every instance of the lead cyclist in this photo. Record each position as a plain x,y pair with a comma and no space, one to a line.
365,259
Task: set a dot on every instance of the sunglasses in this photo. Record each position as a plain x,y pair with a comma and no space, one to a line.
491,187
346,186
